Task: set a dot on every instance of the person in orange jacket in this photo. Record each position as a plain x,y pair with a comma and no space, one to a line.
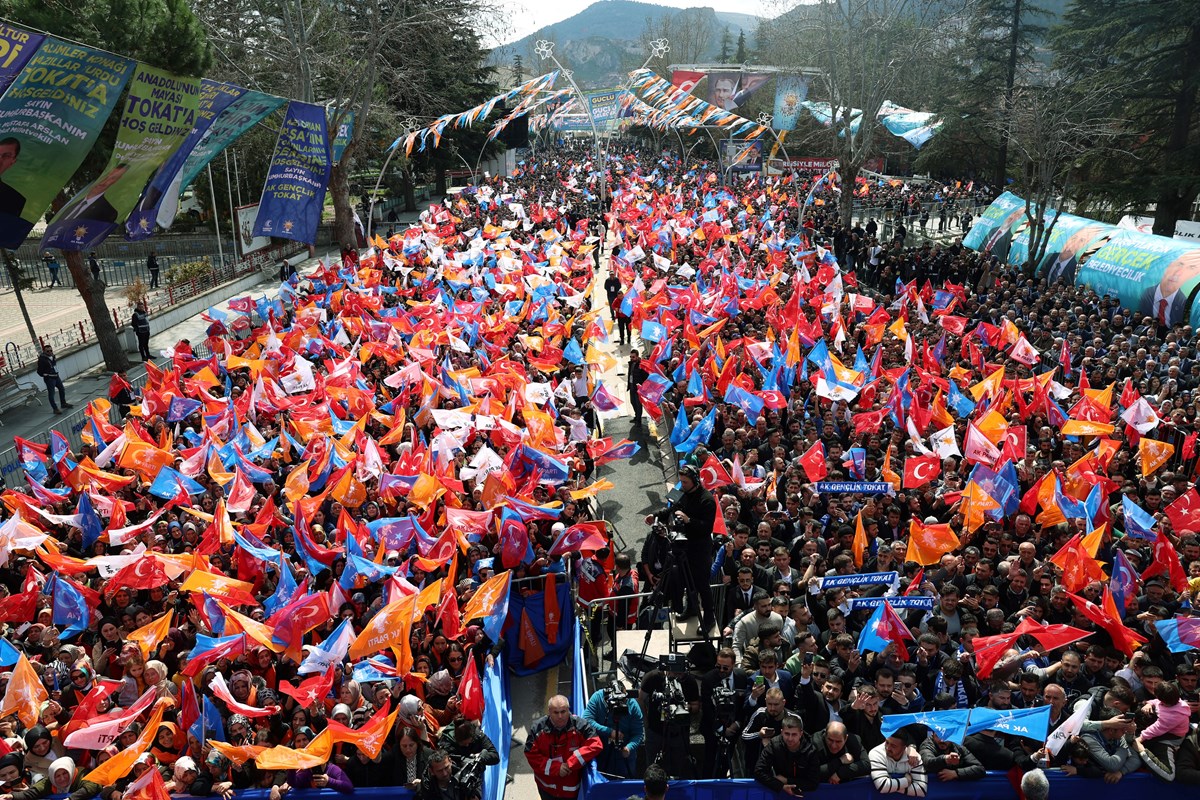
559,747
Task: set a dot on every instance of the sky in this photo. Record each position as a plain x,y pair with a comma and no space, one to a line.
528,16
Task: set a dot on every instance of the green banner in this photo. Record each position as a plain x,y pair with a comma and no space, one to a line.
1150,274
992,233
160,110
49,119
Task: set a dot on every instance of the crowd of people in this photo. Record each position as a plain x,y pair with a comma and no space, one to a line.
865,426
286,566
283,563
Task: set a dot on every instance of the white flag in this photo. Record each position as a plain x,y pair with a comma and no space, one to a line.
1074,724
944,443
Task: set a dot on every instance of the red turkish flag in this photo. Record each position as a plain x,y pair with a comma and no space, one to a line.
920,470
1051,637
814,464
1184,513
686,79
470,691
311,691
18,607
713,474
1166,562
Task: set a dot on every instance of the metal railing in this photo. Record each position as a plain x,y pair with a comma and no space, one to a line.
21,356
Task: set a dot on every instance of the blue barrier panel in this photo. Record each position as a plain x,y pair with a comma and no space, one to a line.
578,703
993,785
535,605
497,724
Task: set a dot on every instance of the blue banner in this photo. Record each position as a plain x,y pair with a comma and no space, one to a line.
215,97
16,48
915,601
864,579
1072,241
950,726
238,117
49,120
1028,723
853,487
604,106
497,724
790,92
298,176
535,605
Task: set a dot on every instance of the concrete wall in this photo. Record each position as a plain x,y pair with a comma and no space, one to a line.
80,360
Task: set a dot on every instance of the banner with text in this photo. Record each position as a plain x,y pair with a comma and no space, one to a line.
238,117
297,177
604,106
341,138
1072,242
16,48
854,487
215,97
1150,274
49,119
160,110
790,92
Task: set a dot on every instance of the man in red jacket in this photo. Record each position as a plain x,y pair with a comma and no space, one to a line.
559,747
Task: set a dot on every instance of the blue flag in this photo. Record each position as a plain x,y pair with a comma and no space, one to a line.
208,725
950,726
1138,521
1028,723
89,521
70,609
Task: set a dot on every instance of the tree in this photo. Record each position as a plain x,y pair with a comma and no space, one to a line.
866,51
1049,127
20,283
726,45
740,56
1150,54
517,75
162,33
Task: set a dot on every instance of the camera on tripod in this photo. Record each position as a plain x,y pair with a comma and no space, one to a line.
670,702
616,699
725,702
672,533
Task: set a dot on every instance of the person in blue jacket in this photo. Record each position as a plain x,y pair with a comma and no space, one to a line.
619,724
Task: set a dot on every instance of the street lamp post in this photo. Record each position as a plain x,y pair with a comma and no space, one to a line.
545,50
407,125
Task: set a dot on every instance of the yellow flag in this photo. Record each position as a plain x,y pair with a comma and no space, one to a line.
119,765
991,385
1154,454
152,634
1084,427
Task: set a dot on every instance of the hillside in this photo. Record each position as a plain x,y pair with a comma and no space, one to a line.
603,42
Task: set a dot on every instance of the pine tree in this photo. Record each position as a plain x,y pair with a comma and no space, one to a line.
726,45
517,76
740,56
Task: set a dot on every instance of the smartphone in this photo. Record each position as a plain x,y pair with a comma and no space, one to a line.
759,680
808,658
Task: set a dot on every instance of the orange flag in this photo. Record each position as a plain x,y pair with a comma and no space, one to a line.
25,694
553,610
370,737
928,543
1154,454
258,631
388,628
152,634
531,646
149,786
314,755
1079,569
232,589
119,765
859,546
237,754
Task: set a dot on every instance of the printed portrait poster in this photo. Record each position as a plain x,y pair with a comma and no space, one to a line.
1150,274
1071,243
160,110
723,89
49,120
992,232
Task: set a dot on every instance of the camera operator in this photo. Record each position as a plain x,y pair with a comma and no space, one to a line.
693,515
670,696
723,690
470,749
617,718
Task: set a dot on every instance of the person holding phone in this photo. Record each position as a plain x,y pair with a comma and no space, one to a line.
788,763
764,724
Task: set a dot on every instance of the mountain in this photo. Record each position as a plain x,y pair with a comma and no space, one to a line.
602,43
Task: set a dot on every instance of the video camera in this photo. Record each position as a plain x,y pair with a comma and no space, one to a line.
725,702
671,704
616,699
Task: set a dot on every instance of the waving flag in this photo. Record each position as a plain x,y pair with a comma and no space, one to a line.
490,603
583,536
950,726
24,695
329,653
1028,723
883,628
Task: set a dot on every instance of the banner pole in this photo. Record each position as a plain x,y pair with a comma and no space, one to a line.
212,196
233,220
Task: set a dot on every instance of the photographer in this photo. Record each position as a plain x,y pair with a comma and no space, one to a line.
723,690
442,783
693,515
669,699
470,749
617,718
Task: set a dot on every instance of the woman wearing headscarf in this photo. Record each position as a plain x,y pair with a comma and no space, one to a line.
40,752
66,778
165,747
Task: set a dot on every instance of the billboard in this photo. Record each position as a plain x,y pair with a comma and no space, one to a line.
604,105
790,92
992,233
743,155
728,90
1150,274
